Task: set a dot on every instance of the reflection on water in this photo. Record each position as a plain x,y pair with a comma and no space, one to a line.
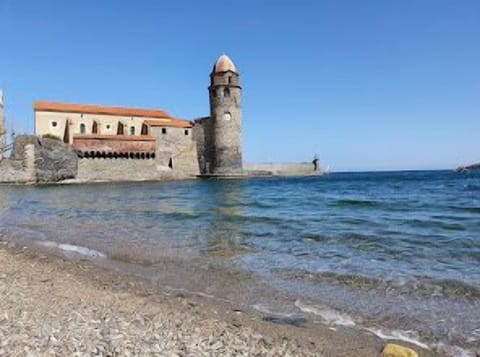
387,249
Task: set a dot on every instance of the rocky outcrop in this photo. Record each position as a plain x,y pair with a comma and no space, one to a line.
474,166
54,161
43,159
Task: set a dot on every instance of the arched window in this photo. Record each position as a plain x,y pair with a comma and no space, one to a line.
120,129
94,128
226,92
144,129
82,128
132,130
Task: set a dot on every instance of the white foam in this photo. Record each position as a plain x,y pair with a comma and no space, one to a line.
454,351
73,249
407,336
328,315
266,310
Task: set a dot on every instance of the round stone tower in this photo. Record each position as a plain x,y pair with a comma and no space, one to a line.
225,116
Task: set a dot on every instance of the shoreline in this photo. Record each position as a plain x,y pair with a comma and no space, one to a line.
99,310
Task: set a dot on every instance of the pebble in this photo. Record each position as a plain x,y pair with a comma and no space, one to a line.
394,350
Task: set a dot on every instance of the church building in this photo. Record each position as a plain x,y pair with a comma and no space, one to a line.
111,134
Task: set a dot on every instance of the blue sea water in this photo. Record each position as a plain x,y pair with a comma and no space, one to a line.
383,251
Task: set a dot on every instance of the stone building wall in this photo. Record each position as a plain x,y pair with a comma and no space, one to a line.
172,142
125,170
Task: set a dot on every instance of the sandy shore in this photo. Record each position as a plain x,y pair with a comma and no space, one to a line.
53,306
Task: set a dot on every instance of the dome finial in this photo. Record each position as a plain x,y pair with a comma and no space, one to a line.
224,64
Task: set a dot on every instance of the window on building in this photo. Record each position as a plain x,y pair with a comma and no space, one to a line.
54,124
120,128
82,128
164,130
230,80
132,130
186,131
144,129
94,127
108,126
226,92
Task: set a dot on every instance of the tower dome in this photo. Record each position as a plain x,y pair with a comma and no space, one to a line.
224,64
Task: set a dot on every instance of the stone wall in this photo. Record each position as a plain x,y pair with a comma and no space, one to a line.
281,169
12,171
125,170
173,142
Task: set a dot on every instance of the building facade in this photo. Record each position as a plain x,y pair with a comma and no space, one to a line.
210,145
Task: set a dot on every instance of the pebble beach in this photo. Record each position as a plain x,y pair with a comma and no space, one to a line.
51,306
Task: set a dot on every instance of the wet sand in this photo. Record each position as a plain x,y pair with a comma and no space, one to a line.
53,306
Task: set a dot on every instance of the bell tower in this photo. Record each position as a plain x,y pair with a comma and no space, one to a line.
225,115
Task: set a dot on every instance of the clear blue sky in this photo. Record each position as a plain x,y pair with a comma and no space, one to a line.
365,84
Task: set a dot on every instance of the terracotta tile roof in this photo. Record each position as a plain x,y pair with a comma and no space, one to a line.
114,137
171,122
41,105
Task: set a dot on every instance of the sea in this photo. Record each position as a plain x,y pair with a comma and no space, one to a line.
396,254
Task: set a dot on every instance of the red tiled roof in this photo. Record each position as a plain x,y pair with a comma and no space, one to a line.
114,137
41,105
172,122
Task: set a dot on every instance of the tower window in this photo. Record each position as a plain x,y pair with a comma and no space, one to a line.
132,130
54,124
164,130
226,92
186,131
230,80
82,128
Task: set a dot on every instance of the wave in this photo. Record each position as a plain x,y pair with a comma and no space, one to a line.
407,336
415,285
454,351
421,223
70,248
465,209
328,315
346,202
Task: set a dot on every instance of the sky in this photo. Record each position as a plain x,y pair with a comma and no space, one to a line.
366,85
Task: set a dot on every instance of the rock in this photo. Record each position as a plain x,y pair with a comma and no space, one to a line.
55,161
393,350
